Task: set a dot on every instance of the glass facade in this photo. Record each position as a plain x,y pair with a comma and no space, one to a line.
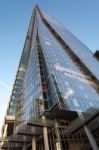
54,94
51,75
65,77
32,86
20,73
76,45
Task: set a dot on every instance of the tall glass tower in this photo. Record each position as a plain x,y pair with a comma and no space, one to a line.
54,103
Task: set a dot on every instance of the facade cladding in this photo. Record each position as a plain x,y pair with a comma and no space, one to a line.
55,99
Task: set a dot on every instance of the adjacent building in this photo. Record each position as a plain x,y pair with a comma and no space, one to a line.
54,103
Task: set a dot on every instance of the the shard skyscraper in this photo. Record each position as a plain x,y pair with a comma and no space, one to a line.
54,104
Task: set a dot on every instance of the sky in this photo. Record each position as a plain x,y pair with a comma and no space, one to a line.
81,17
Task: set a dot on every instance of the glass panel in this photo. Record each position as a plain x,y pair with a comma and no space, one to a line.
65,78
85,55
32,85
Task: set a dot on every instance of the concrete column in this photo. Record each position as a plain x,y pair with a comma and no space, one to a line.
58,143
5,130
33,143
45,135
88,133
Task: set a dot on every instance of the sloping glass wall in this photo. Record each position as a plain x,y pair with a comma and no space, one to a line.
85,55
67,78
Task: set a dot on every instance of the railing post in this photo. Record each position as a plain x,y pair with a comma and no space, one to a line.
58,144
24,146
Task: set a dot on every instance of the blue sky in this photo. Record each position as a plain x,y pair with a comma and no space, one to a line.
81,17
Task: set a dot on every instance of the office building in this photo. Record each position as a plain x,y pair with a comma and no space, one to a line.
54,103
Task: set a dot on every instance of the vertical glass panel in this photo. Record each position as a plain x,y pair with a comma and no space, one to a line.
32,85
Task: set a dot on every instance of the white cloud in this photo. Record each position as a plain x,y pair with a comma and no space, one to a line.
4,84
